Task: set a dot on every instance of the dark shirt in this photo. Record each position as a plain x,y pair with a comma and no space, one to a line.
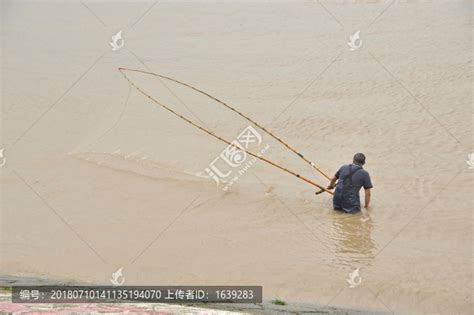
359,179
346,195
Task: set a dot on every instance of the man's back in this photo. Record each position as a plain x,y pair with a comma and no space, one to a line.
360,177
350,179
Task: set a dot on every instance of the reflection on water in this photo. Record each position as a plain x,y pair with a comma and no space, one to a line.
352,235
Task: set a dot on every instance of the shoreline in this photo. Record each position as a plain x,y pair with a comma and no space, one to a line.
266,307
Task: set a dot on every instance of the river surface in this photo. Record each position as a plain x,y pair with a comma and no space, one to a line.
98,177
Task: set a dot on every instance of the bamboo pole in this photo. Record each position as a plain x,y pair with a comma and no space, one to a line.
122,70
314,166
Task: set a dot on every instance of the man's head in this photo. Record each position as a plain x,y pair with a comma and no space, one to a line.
359,158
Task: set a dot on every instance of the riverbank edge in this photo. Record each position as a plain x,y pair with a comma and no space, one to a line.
266,307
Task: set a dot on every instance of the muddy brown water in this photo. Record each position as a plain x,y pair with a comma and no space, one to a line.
97,177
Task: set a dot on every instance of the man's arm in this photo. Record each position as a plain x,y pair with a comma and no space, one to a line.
367,198
332,183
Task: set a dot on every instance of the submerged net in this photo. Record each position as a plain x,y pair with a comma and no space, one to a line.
194,135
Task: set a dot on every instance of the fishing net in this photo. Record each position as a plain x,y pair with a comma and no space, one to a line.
170,129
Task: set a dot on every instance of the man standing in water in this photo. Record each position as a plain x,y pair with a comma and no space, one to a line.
351,178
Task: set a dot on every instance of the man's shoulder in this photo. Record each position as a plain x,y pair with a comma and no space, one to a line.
344,168
364,174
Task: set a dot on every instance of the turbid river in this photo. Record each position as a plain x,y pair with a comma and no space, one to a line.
96,176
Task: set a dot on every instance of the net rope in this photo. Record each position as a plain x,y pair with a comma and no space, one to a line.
209,132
